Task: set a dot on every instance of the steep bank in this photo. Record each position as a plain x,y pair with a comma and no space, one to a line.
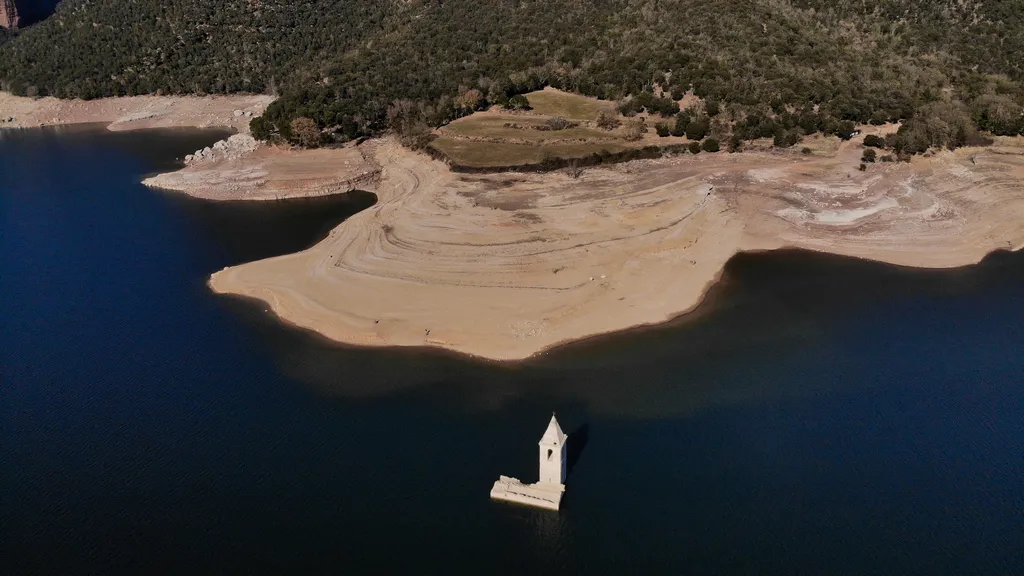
507,265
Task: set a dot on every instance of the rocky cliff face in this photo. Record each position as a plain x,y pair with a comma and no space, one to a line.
8,14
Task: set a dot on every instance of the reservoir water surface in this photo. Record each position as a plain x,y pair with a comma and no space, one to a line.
816,415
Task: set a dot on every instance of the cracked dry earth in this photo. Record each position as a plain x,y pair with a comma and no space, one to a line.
507,265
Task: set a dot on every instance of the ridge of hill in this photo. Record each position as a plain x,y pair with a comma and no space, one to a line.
951,66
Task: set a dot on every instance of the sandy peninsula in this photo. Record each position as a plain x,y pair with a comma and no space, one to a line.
507,265
239,168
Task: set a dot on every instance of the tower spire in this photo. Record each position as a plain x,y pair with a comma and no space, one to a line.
553,436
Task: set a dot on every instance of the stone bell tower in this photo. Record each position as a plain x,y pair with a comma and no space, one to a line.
547,493
552,454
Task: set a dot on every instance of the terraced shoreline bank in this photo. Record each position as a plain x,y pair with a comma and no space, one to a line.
507,265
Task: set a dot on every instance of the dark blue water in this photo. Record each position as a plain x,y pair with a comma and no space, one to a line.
817,415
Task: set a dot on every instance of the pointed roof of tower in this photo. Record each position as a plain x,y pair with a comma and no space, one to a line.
554,434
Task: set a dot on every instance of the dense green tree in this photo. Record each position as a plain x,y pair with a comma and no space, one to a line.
845,129
698,129
681,124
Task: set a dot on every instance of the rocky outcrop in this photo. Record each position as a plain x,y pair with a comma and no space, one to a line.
8,14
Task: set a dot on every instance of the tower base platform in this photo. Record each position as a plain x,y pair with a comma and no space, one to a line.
541,494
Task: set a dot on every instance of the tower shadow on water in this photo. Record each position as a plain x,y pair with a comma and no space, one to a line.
574,446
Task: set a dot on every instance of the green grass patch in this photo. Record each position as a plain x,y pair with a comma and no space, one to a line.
493,126
551,102
470,153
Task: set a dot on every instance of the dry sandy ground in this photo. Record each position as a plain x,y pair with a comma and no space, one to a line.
272,173
135,112
504,266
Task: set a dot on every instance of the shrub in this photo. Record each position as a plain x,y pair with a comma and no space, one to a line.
663,106
606,121
805,151
863,167
635,129
735,143
662,129
887,158
999,114
559,123
261,128
785,139
574,169
868,156
874,141
518,102
631,107
681,124
698,129
694,147
710,145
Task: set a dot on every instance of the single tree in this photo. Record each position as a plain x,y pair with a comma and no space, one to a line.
874,141
471,100
698,129
306,132
845,130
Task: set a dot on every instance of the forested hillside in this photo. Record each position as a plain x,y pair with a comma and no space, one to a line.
774,67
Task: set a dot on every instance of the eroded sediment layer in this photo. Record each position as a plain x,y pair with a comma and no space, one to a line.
271,173
506,265
134,112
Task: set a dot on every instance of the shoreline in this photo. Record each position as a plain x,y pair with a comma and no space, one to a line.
504,266
507,266
247,171
134,112
680,316
236,168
